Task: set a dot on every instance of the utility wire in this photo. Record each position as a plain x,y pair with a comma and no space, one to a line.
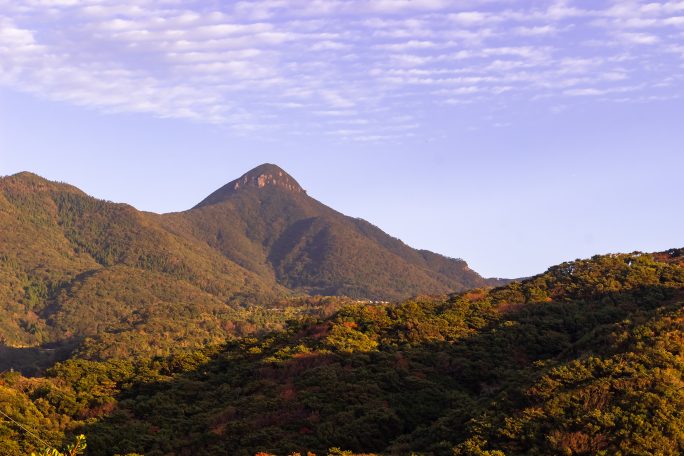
47,445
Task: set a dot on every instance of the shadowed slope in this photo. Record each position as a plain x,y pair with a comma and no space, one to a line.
581,359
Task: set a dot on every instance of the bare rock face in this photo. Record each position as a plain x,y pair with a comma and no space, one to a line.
266,175
261,180
275,177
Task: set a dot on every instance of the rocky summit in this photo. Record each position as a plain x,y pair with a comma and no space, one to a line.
259,177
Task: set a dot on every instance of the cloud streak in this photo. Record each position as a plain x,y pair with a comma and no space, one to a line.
288,64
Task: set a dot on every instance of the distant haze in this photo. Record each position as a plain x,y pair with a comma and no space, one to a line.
514,135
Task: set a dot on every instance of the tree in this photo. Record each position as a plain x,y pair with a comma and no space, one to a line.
76,448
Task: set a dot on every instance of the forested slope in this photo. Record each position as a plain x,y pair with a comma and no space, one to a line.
111,281
583,359
266,222
73,266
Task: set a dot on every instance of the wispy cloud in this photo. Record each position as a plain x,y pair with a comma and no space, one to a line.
295,64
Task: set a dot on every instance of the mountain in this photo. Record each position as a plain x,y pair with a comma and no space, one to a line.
76,271
73,266
585,358
267,223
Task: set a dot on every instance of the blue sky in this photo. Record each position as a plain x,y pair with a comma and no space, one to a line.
513,134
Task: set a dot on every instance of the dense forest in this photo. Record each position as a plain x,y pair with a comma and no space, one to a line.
586,358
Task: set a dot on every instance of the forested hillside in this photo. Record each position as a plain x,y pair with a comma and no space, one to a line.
266,222
78,273
583,359
73,266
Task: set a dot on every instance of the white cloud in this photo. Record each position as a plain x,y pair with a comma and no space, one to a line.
638,38
594,91
252,63
327,45
675,20
335,100
470,18
408,45
539,30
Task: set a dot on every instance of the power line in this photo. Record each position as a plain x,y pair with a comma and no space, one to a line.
47,445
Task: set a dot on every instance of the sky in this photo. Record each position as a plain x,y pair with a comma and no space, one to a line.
512,134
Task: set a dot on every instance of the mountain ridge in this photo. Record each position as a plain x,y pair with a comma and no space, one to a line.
313,248
75,267
309,214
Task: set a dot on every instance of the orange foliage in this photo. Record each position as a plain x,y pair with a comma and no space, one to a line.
475,295
509,307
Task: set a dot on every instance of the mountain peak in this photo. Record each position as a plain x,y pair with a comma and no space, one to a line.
28,181
27,176
265,175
